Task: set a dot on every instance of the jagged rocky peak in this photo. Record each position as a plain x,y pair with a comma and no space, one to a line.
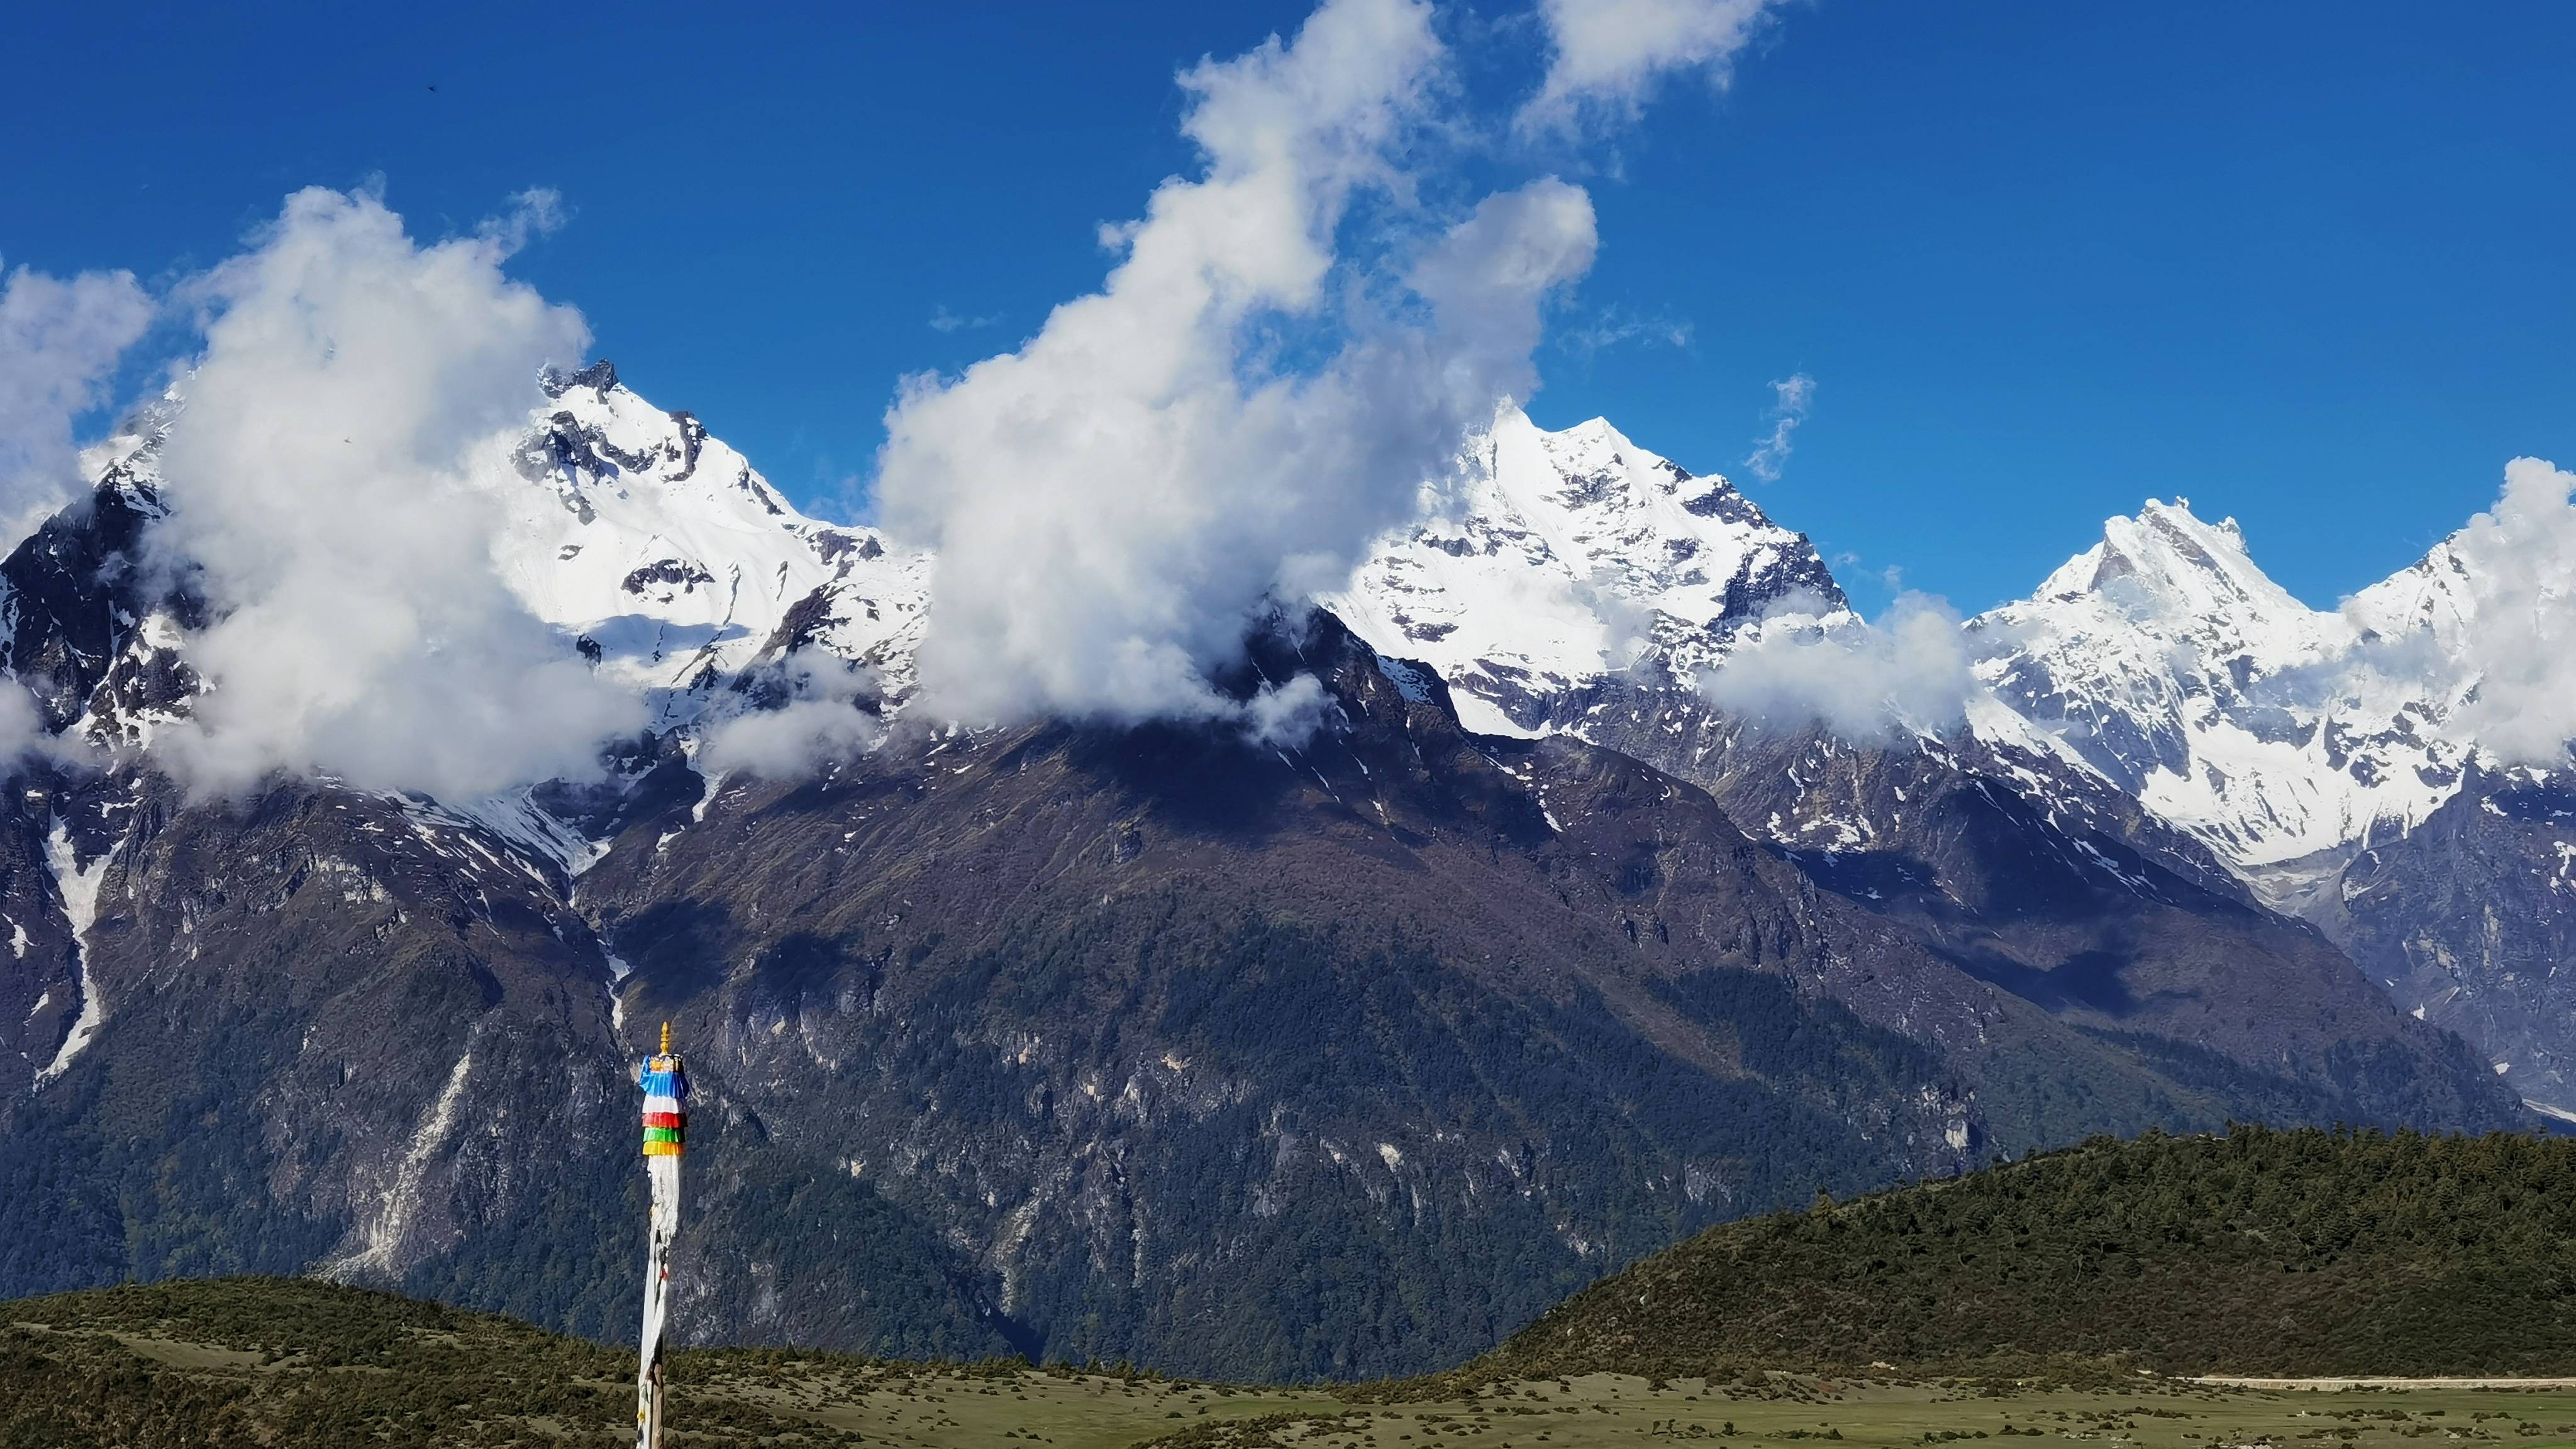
2179,577
2169,661
674,565
1555,559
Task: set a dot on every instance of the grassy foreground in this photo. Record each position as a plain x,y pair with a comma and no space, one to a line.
286,1364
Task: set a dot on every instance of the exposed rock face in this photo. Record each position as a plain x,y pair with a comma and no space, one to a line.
2470,917
1166,1021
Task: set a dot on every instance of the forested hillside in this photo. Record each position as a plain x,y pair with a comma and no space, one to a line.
2257,1252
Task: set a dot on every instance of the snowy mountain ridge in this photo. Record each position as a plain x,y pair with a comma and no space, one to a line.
657,552
2160,661
676,565
1973,892
1568,557
1555,568
2172,664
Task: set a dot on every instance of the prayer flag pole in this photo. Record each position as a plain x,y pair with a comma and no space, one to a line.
666,1121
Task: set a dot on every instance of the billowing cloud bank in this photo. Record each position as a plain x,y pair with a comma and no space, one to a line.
59,342
1289,346
318,479
1113,501
2520,565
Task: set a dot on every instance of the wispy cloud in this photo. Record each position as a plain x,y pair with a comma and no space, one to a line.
1806,663
534,213
1792,398
1610,56
818,722
943,320
1615,326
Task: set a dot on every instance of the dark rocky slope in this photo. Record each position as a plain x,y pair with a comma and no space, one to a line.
2469,918
1335,1059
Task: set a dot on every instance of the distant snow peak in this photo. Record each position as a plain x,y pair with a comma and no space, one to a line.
1555,559
2171,663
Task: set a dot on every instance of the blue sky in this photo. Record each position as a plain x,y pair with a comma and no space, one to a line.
2306,264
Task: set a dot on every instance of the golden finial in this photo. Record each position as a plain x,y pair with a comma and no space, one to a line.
666,1038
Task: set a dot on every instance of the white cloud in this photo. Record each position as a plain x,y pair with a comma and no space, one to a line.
1868,682
23,734
1285,716
819,723
535,212
1611,55
1791,400
1615,326
943,320
319,482
2521,569
59,342
1241,408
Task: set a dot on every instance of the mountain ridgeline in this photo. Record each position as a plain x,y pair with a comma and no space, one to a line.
1333,1060
2257,1253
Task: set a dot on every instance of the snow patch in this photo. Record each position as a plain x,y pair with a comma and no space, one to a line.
2546,1110
1408,680
517,818
79,891
618,970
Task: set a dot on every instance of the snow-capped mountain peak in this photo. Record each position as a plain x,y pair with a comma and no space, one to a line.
1555,559
676,564
2167,566
2170,662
